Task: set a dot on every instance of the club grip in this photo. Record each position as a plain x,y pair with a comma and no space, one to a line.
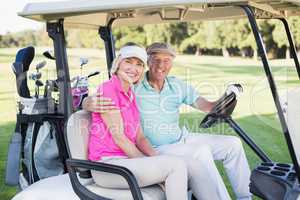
93,74
41,65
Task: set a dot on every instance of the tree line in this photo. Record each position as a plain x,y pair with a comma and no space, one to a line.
226,38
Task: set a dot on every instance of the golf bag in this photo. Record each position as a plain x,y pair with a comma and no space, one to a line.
38,141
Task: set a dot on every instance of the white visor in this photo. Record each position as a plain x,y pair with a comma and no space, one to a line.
133,51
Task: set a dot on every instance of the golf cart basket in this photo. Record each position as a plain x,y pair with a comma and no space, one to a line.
103,15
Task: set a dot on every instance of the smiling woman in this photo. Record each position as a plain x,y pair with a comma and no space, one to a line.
116,137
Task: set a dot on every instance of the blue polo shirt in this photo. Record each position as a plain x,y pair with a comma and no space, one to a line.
159,111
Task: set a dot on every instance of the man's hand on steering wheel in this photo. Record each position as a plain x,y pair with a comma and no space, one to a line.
223,107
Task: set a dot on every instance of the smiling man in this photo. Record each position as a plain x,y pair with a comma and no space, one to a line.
159,98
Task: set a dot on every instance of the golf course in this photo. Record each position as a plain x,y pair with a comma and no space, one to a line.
210,75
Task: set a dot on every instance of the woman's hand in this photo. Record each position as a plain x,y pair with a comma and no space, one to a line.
144,145
98,103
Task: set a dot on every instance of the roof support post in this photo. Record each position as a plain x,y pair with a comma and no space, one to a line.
56,33
263,55
106,35
292,46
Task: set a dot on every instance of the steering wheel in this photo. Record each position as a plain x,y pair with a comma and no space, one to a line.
223,108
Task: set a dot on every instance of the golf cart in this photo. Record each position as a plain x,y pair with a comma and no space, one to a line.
270,180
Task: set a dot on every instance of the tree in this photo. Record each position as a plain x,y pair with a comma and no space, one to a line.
231,36
266,28
157,33
123,35
294,23
178,32
202,35
280,37
90,39
245,39
196,38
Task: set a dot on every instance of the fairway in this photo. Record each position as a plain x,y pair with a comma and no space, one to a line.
255,111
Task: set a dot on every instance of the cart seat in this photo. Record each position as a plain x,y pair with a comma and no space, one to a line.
77,139
60,187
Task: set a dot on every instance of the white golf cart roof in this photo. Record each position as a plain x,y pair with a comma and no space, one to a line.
95,13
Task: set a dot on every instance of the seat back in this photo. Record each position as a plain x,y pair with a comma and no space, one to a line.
77,140
78,134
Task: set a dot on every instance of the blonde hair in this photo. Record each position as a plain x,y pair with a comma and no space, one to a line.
115,65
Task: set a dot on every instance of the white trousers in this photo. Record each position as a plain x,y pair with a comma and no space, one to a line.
148,171
200,151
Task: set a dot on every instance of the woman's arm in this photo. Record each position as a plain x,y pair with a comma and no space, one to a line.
114,123
143,144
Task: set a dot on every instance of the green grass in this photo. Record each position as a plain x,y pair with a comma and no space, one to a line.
6,130
255,111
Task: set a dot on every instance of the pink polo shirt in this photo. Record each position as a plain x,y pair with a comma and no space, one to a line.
101,142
